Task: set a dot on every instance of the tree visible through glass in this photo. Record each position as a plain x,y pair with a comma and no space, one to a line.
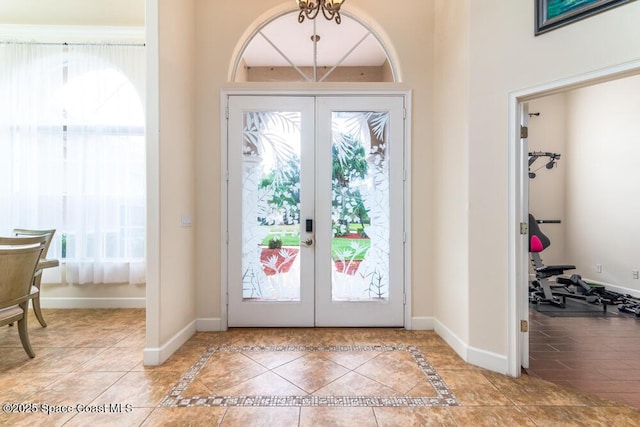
271,206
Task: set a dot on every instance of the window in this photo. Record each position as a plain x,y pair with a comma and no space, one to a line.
72,140
313,51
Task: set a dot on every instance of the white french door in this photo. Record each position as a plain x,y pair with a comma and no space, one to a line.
315,211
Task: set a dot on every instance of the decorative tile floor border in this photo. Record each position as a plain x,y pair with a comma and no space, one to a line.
444,396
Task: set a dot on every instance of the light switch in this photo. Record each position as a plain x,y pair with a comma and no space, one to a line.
186,220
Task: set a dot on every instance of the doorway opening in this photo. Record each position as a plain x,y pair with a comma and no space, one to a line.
520,115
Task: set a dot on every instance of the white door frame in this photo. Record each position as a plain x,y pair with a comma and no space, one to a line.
518,264
366,313
278,312
224,193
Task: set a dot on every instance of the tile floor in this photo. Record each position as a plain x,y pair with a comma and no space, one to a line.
88,372
598,355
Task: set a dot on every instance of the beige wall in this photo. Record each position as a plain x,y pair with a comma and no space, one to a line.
175,291
450,254
290,74
387,72
506,57
73,12
220,27
603,182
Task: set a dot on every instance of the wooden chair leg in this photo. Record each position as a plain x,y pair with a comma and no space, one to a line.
24,332
37,311
36,301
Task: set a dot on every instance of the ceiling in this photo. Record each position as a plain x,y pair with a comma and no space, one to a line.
294,40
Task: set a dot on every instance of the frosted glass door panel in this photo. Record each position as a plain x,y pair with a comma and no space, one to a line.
360,206
271,206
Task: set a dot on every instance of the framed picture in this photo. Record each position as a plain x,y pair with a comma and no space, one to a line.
551,14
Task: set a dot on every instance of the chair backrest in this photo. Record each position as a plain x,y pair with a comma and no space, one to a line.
19,258
27,232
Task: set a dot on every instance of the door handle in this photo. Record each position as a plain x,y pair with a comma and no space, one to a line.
308,242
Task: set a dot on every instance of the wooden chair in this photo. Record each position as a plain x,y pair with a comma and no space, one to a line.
44,263
19,258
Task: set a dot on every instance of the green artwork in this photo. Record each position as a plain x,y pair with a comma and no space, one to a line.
552,14
556,8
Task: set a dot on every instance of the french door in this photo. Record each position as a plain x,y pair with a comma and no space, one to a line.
315,211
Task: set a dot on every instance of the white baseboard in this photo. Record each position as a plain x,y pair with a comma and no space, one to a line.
213,324
154,356
93,302
458,345
488,360
157,356
478,357
422,323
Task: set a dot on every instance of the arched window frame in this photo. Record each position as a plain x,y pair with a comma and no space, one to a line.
262,23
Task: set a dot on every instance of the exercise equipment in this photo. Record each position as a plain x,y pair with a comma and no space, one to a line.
541,290
630,304
535,155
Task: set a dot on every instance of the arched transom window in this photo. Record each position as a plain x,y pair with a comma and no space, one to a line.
317,50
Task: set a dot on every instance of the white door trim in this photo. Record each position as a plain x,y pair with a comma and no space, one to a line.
224,193
517,249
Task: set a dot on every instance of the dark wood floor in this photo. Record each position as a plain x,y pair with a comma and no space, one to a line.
598,355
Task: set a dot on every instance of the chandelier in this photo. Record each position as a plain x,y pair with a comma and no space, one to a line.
311,8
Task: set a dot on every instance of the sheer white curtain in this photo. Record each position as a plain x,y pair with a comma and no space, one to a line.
73,155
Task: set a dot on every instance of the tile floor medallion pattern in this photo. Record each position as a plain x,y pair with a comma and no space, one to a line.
180,397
